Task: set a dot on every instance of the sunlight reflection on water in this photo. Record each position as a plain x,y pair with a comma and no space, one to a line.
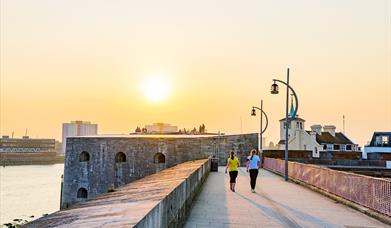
29,190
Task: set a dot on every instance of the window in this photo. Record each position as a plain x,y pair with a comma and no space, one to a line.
297,125
378,141
84,156
337,147
325,147
348,147
384,140
159,158
82,193
120,157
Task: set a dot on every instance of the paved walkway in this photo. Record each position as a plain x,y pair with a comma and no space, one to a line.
276,204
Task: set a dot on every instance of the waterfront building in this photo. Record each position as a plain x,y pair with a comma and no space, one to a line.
161,128
77,128
380,144
314,140
26,145
58,148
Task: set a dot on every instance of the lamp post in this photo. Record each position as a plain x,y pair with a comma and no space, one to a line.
274,90
261,130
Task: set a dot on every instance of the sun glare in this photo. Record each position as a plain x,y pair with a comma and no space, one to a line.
155,88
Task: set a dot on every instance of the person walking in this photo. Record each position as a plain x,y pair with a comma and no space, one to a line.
253,165
232,167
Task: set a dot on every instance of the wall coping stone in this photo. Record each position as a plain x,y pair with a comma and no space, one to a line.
129,204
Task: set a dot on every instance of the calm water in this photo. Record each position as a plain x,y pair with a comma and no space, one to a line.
29,190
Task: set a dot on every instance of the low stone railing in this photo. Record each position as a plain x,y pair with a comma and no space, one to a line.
160,200
371,192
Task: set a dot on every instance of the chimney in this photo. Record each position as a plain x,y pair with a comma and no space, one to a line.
330,129
316,128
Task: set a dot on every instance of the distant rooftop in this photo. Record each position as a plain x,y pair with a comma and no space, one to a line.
339,138
80,122
25,137
143,136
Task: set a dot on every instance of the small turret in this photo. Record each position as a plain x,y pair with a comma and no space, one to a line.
292,109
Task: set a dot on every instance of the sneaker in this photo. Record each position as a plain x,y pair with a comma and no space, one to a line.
253,190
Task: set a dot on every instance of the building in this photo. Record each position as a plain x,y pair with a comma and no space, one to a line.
26,145
58,148
314,140
161,128
77,128
380,144
97,164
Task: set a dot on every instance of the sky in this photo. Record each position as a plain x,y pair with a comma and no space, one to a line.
88,60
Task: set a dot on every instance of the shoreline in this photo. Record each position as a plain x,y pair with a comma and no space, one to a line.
14,159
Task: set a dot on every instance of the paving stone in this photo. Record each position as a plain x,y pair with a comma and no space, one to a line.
276,203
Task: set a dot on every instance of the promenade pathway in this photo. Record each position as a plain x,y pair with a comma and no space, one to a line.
276,203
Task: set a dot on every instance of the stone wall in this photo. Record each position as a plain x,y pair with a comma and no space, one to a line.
95,165
160,200
220,146
175,207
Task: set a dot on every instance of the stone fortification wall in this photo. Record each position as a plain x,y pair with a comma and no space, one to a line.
163,199
220,146
95,165
173,209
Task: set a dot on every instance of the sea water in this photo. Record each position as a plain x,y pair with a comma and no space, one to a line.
29,190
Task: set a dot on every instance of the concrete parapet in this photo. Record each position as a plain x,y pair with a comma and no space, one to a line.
369,192
159,200
172,210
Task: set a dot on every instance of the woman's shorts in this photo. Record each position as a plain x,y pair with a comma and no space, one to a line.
233,175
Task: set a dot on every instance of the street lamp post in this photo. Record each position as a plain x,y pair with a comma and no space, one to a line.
274,90
261,130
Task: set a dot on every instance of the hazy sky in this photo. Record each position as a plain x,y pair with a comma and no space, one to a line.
86,60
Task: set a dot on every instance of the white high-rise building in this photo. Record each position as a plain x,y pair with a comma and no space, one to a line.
77,128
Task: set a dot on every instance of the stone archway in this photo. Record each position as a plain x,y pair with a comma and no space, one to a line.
119,166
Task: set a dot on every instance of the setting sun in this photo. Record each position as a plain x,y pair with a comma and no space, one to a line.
155,88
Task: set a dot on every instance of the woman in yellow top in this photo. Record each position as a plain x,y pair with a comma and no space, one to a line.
232,167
